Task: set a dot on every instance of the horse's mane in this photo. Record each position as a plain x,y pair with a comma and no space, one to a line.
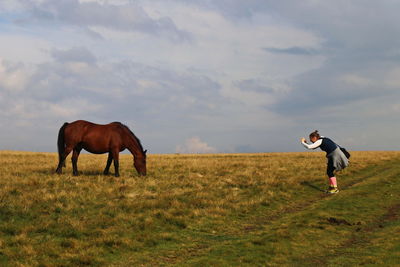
133,135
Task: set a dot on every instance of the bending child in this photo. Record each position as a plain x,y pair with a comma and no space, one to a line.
336,159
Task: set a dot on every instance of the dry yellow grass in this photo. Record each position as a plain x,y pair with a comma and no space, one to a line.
51,220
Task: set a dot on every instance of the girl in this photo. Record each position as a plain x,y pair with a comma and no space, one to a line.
336,159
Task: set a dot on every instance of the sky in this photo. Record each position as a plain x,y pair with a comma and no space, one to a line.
226,76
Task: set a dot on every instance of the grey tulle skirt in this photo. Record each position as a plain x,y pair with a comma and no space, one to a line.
338,159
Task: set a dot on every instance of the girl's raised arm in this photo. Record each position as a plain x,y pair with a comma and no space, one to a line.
314,145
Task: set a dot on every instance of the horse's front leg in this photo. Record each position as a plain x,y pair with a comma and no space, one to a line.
75,155
109,161
115,155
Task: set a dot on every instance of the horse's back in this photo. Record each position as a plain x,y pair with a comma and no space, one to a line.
82,125
95,138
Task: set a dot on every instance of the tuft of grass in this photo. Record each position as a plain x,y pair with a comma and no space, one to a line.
217,209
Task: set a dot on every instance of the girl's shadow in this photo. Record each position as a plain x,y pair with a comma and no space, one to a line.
312,186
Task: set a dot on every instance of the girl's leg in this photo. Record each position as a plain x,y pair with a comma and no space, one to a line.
332,182
332,179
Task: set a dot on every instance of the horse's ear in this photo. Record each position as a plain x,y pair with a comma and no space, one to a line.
145,151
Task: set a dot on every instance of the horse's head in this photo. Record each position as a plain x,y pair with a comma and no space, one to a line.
140,163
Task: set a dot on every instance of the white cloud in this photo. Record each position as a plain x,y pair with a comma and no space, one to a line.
126,16
18,50
195,145
235,48
392,78
8,4
356,80
12,78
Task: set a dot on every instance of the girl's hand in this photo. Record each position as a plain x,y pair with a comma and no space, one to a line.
303,140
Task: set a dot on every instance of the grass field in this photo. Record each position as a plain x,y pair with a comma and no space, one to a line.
200,210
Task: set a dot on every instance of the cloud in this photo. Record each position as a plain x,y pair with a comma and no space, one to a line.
292,51
9,5
18,50
232,9
73,84
246,75
76,73
128,17
76,54
195,145
13,77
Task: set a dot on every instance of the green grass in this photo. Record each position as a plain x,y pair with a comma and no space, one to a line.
200,210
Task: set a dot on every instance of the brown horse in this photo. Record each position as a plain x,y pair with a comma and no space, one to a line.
110,138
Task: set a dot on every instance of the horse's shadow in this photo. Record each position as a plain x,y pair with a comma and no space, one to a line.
52,171
47,171
312,186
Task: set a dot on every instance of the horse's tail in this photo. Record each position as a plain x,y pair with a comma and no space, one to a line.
61,141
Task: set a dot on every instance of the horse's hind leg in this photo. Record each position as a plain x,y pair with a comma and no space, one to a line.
115,155
59,167
109,161
61,162
75,155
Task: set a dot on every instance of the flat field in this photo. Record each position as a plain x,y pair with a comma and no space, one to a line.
200,210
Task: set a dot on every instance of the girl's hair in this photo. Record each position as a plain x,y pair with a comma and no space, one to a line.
315,134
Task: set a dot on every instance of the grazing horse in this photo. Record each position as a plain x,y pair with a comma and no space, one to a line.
95,138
